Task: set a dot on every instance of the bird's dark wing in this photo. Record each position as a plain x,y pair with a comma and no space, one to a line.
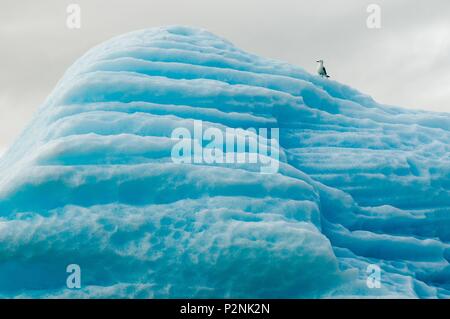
325,71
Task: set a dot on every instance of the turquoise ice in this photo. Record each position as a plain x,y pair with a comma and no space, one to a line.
91,182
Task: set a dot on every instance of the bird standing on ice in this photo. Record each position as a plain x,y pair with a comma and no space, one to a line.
321,69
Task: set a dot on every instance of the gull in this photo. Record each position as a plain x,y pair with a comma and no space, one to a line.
321,69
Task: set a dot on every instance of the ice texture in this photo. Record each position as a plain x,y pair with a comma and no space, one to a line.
91,182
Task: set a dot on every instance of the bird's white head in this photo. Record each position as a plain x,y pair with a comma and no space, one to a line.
319,61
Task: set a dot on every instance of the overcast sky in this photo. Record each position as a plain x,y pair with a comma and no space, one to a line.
405,63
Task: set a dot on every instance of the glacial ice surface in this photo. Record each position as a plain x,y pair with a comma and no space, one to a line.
91,182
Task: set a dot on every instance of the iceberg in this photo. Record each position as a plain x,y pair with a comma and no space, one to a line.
91,181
